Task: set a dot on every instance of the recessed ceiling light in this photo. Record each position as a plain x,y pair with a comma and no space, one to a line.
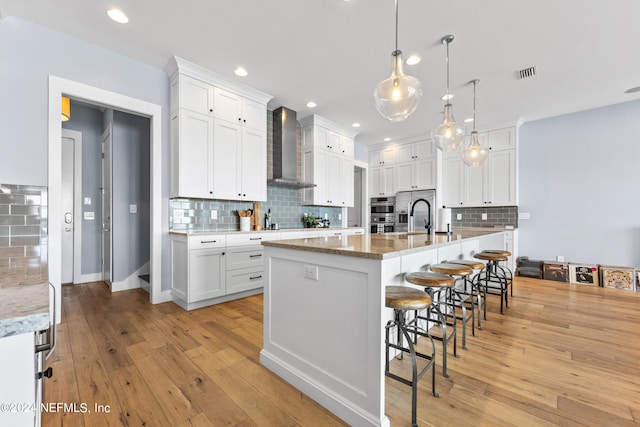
387,139
447,97
118,16
633,90
311,104
413,60
241,72
356,125
468,120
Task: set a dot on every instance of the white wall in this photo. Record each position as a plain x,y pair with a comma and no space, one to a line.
29,53
578,180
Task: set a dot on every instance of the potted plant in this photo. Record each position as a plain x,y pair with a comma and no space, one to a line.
310,220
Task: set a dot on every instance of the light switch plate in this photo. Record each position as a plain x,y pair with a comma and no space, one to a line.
458,217
87,200
484,216
214,214
133,208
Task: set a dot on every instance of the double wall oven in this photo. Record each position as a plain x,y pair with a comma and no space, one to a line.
383,216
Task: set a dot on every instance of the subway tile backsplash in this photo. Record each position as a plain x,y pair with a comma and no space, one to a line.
285,204
496,216
23,234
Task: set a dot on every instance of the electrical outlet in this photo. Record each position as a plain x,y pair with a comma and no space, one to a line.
458,217
310,271
214,214
484,216
87,200
133,208
339,217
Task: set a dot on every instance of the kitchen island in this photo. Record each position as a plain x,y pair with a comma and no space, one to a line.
324,311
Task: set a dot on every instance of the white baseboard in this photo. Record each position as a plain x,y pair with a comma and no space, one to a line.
88,278
131,282
165,296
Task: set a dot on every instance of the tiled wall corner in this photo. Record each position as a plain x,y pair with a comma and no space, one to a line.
23,234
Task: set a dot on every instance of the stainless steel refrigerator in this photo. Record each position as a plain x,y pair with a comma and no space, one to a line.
424,210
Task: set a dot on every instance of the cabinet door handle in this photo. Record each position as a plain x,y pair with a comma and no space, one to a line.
255,277
211,110
255,256
208,241
255,238
239,119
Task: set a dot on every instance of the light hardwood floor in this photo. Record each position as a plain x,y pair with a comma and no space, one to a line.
562,354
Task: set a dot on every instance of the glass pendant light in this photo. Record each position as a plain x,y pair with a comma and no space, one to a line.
398,96
475,154
449,134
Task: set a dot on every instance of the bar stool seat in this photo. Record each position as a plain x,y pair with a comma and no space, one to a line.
474,290
493,278
460,298
435,285
505,270
401,299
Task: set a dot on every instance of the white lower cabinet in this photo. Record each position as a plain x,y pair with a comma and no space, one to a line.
18,371
208,269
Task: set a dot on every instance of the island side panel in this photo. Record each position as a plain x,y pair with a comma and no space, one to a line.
326,336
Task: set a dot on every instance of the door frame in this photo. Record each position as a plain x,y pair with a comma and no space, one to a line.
365,194
77,201
59,86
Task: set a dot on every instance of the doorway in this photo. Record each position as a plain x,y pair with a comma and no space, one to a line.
71,144
58,86
357,215
107,197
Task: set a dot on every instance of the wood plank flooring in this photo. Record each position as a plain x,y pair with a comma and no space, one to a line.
563,355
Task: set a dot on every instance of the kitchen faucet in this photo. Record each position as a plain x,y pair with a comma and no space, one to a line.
427,225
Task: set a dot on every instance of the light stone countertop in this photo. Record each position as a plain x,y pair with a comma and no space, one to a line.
379,246
281,230
24,308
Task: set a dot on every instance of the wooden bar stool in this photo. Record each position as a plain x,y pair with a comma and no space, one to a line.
459,298
472,287
492,280
401,299
506,271
435,285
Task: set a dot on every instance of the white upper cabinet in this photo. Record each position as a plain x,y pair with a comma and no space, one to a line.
327,161
415,151
192,94
237,109
383,156
218,136
491,184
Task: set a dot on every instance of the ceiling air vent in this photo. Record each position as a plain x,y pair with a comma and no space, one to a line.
527,72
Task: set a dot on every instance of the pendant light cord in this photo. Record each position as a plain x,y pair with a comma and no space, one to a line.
396,25
448,72
474,104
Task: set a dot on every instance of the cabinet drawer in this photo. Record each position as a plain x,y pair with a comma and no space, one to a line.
243,280
246,258
207,241
244,239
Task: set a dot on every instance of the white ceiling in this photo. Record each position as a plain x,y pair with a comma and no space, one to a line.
334,52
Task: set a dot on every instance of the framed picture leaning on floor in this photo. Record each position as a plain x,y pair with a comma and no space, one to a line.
617,277
584,274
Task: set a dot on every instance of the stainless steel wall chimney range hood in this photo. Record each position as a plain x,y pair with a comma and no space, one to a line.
285,150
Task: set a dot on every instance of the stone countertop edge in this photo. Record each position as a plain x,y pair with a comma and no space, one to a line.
326,245
285,230
25,308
